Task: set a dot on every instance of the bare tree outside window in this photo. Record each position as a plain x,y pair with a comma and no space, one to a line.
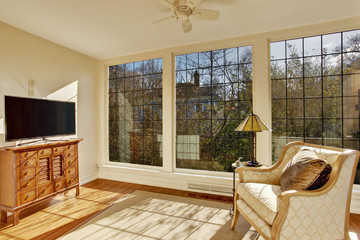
135,112
213,95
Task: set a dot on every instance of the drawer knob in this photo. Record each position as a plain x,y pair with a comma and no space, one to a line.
57,185
69,171
27,197
42,151
68,154
26,173
26,163
26,154
69,161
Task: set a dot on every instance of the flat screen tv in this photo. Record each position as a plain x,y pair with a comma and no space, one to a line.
27,118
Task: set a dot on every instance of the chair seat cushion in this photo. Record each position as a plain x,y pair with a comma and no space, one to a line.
262,198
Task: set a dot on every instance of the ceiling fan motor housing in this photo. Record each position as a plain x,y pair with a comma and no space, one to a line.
182,10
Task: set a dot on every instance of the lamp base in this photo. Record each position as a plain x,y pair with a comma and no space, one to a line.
253,164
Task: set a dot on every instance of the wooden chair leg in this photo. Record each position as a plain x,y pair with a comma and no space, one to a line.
235,218
236,212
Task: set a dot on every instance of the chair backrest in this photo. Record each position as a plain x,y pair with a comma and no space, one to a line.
334,202
330,154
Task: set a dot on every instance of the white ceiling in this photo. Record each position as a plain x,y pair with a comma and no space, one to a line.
111,28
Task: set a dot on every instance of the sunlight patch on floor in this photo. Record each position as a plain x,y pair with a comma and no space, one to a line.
353,236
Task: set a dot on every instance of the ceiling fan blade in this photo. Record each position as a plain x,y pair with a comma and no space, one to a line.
163,19
207,14
193,3
168,4
186,25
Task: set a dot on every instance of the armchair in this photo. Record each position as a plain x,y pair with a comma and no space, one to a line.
298,214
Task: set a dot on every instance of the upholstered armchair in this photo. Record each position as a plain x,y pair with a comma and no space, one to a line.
298,214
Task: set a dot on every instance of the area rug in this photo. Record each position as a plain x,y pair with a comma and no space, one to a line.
147,215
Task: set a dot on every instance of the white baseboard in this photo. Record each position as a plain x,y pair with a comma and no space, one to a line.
179,181
185,182
88,178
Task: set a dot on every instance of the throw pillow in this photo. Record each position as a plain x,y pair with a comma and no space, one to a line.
305,172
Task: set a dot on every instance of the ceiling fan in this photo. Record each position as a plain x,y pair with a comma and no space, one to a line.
183,9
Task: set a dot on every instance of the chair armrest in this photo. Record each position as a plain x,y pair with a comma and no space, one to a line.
293,193
271,174
268,175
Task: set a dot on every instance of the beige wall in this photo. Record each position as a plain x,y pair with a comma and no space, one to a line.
25,57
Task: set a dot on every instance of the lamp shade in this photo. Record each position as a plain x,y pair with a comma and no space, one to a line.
252,123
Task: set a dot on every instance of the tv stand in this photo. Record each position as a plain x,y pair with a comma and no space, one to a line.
33,173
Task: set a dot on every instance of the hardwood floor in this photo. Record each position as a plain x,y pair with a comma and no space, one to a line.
54,217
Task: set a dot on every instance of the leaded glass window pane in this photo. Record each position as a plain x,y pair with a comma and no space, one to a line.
135,112
213,95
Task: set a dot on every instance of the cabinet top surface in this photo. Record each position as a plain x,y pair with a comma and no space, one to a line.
41,145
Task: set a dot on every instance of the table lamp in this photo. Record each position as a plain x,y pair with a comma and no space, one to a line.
252,124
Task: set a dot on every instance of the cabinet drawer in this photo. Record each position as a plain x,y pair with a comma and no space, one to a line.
26,173
71,181
71,170
60,184
58,150
27,184
24,163
69,154
27,154
27,196
45,151
69,148
70,161
45,189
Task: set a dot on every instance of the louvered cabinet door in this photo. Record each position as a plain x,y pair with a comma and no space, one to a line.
58,169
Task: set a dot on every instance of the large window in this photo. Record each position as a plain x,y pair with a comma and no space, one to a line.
135,112
316,90
213,95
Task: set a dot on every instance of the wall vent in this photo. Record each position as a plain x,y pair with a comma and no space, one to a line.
210,188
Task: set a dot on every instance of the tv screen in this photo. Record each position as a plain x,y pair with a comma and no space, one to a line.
34,118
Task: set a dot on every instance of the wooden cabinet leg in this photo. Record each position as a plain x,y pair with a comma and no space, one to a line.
3,216
16,217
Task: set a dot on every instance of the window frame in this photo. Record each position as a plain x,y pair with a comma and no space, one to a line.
341,75
114,62
202,51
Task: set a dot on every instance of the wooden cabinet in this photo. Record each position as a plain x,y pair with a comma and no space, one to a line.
30,174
